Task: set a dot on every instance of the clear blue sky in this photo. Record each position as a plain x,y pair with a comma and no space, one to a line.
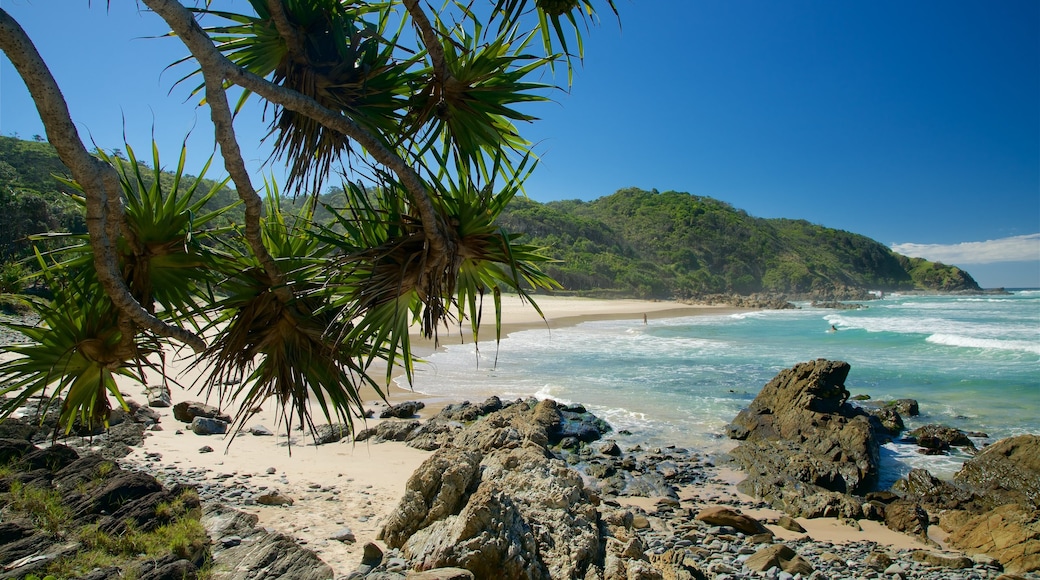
914,123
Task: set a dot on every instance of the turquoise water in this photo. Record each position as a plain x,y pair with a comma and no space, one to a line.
972,363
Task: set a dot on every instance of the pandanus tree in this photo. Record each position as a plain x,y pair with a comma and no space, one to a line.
418,107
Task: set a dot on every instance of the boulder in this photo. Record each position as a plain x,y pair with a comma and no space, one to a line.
1007,471
186,411
779,556
159,396
940,438
1009,533
405,410
800,437
724,516
325,434
207,426
908,517
498,504
942,559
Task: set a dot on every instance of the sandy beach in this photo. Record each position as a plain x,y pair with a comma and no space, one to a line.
344,485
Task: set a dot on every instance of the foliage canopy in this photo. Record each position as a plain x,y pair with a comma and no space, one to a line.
417,108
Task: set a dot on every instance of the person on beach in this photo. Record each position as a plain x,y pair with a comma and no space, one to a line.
644,320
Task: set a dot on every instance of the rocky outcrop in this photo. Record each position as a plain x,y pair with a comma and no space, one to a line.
499,504
1007,471
88,493
804,447
992,506
1009,533
243,551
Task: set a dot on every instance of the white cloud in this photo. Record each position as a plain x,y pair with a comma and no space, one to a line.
1014,249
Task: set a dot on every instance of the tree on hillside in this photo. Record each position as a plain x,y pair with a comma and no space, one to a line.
421,102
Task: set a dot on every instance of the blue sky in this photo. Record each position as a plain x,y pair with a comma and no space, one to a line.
914,123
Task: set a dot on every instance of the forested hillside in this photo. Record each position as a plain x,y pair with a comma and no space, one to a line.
651,244
631,243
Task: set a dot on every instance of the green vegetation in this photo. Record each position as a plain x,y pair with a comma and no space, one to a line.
417,108
659,245
178,531
42,506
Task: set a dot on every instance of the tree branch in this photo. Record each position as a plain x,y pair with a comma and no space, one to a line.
430,39
441,247
99,180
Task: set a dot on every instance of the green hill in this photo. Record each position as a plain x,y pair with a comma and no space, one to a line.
632,243
672,244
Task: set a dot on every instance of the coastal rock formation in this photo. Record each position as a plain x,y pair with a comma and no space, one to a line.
1007,471
243,551
499,504
804,447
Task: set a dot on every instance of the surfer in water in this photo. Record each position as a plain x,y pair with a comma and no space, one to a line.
833,329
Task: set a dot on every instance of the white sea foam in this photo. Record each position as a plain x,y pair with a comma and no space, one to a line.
984,343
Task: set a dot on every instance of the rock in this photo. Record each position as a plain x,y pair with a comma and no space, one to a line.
345,535
159,396
941,437
724,516
274,498
788,523
390,431
12,449
800,438
941,560
905,407
442,574
404,410
498,504
261,554
186,411
908,517
927,489
325,434
205,449
889,419
371,555
1007,471
878,560
780,556
260,431
610,448
207,426
1009,533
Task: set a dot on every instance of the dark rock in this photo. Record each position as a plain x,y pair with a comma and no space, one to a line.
405,410
186,411
51,458
274,498
941,437
170,568
929,490
207,426
325,434
800,438
18,429
390,431
905,407
14,449
159,396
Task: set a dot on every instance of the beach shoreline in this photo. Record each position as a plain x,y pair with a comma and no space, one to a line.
353,487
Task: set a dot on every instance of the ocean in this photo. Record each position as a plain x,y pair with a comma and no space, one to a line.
972,362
